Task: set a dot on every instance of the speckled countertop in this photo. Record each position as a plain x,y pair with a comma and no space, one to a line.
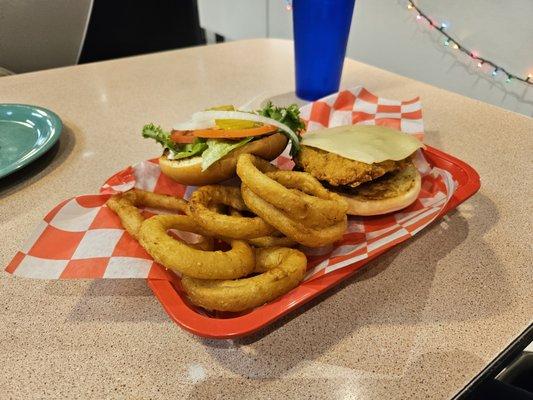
421,322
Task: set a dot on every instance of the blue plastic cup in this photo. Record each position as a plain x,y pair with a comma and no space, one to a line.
321,29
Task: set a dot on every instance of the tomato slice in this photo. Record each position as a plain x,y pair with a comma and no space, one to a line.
234,133
182,136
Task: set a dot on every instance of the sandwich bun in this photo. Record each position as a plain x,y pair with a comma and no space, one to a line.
389,194
188,171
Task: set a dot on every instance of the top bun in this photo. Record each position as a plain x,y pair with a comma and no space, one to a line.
188,171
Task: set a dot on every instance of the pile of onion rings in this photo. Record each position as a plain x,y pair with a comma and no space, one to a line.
213,279
260,221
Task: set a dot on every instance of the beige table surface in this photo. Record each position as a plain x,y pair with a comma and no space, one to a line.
421,322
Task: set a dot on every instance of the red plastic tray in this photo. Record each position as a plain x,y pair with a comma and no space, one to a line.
197,321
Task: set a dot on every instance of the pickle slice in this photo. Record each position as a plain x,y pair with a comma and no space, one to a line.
228,124
222,108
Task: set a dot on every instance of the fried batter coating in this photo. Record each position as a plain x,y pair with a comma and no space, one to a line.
197,263
281,269
388,186
339,171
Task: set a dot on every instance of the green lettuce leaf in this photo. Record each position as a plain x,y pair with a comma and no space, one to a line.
178,151
190,149
289,116
216,149
162,137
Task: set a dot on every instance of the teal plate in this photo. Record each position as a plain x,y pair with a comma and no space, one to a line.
26,133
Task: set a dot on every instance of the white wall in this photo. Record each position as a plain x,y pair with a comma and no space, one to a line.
235,19
385,34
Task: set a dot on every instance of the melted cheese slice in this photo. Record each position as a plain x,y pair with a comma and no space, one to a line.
365,143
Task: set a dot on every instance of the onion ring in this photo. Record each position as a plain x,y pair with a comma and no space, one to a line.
272,241
324,207
228,226
182,258
308,236
275,240
125,206
156,200
310,203
282,269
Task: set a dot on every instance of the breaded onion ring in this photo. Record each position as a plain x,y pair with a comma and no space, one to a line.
180,257
323,207
275,240
282,269
309,201
155,200
228,226
125,206
301,233
272,241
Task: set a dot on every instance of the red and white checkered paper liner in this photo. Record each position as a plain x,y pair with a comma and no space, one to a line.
81,238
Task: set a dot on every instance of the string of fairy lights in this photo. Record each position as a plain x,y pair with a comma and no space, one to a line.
450,41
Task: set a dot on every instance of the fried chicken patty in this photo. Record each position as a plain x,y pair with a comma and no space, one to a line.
390,185
339,171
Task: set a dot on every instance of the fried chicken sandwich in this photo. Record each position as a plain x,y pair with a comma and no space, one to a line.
370,166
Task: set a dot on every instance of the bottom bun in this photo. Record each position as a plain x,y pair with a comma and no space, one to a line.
396,191
188,171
